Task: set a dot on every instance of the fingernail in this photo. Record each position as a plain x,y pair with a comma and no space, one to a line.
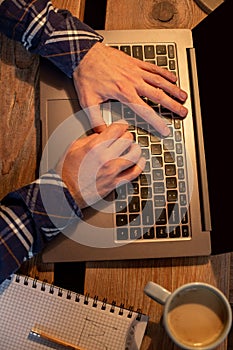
121,121
183,95
183,112
165,131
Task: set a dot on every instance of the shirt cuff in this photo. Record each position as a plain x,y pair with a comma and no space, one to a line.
50,203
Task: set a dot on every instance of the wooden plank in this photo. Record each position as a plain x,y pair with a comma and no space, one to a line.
75,7
137,14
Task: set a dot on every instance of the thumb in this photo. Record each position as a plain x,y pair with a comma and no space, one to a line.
95,117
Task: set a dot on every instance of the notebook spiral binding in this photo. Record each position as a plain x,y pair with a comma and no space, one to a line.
45,286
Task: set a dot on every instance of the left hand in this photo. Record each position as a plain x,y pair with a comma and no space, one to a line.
95,165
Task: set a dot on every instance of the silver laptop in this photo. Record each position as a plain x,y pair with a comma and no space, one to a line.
170,209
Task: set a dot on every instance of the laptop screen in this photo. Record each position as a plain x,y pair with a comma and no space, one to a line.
215,75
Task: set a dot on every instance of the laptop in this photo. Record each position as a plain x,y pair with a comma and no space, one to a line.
179,205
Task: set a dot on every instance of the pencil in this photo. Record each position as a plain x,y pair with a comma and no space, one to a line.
39,333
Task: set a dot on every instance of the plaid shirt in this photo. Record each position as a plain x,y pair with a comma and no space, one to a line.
26,223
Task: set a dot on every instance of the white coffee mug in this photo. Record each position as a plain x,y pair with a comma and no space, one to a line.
196,315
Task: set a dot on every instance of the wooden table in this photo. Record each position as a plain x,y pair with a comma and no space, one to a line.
121,281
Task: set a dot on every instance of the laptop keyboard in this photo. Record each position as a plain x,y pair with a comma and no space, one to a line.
155,205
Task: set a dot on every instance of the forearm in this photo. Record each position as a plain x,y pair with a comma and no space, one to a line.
47,31
31,216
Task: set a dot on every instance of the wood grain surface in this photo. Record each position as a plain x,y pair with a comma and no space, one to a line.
137,14
20,121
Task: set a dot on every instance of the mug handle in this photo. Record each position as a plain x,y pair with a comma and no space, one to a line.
156,292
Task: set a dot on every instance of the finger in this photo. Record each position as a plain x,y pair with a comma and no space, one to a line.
129,158
120,164
95,117
160,82
82,141
120,146
153,68
131,173
149,115
159,96
112,133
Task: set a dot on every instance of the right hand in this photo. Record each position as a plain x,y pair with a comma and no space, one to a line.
106,73
95,165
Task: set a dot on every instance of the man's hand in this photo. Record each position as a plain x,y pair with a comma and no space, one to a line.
95,165
107,73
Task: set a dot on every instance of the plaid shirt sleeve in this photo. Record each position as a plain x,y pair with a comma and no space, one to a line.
49,32
30,217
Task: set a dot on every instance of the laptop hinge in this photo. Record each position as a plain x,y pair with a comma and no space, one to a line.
204,192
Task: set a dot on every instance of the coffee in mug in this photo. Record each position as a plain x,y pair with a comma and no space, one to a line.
196,315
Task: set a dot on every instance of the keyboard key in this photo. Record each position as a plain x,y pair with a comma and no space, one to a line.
161,61
134,204
168,144
161,49
178,136
161,216
148,232
172,65
182,186
146,153
133,188
151,61
147,213
169,157
180,161
173,214
171,51
170,169
147,168
143,141
145,179
159,201
122,234
174,232
126,49
172,196
184,216
156,149
121,220
149,51
158,174
155,138
161,232
121,206
121,192
183,199
158,187
177,123
185,231
135,233
146,192
134,219
180,174
171,182
137,52
179,148
157,162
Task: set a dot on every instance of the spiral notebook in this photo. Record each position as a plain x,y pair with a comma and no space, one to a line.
30,308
